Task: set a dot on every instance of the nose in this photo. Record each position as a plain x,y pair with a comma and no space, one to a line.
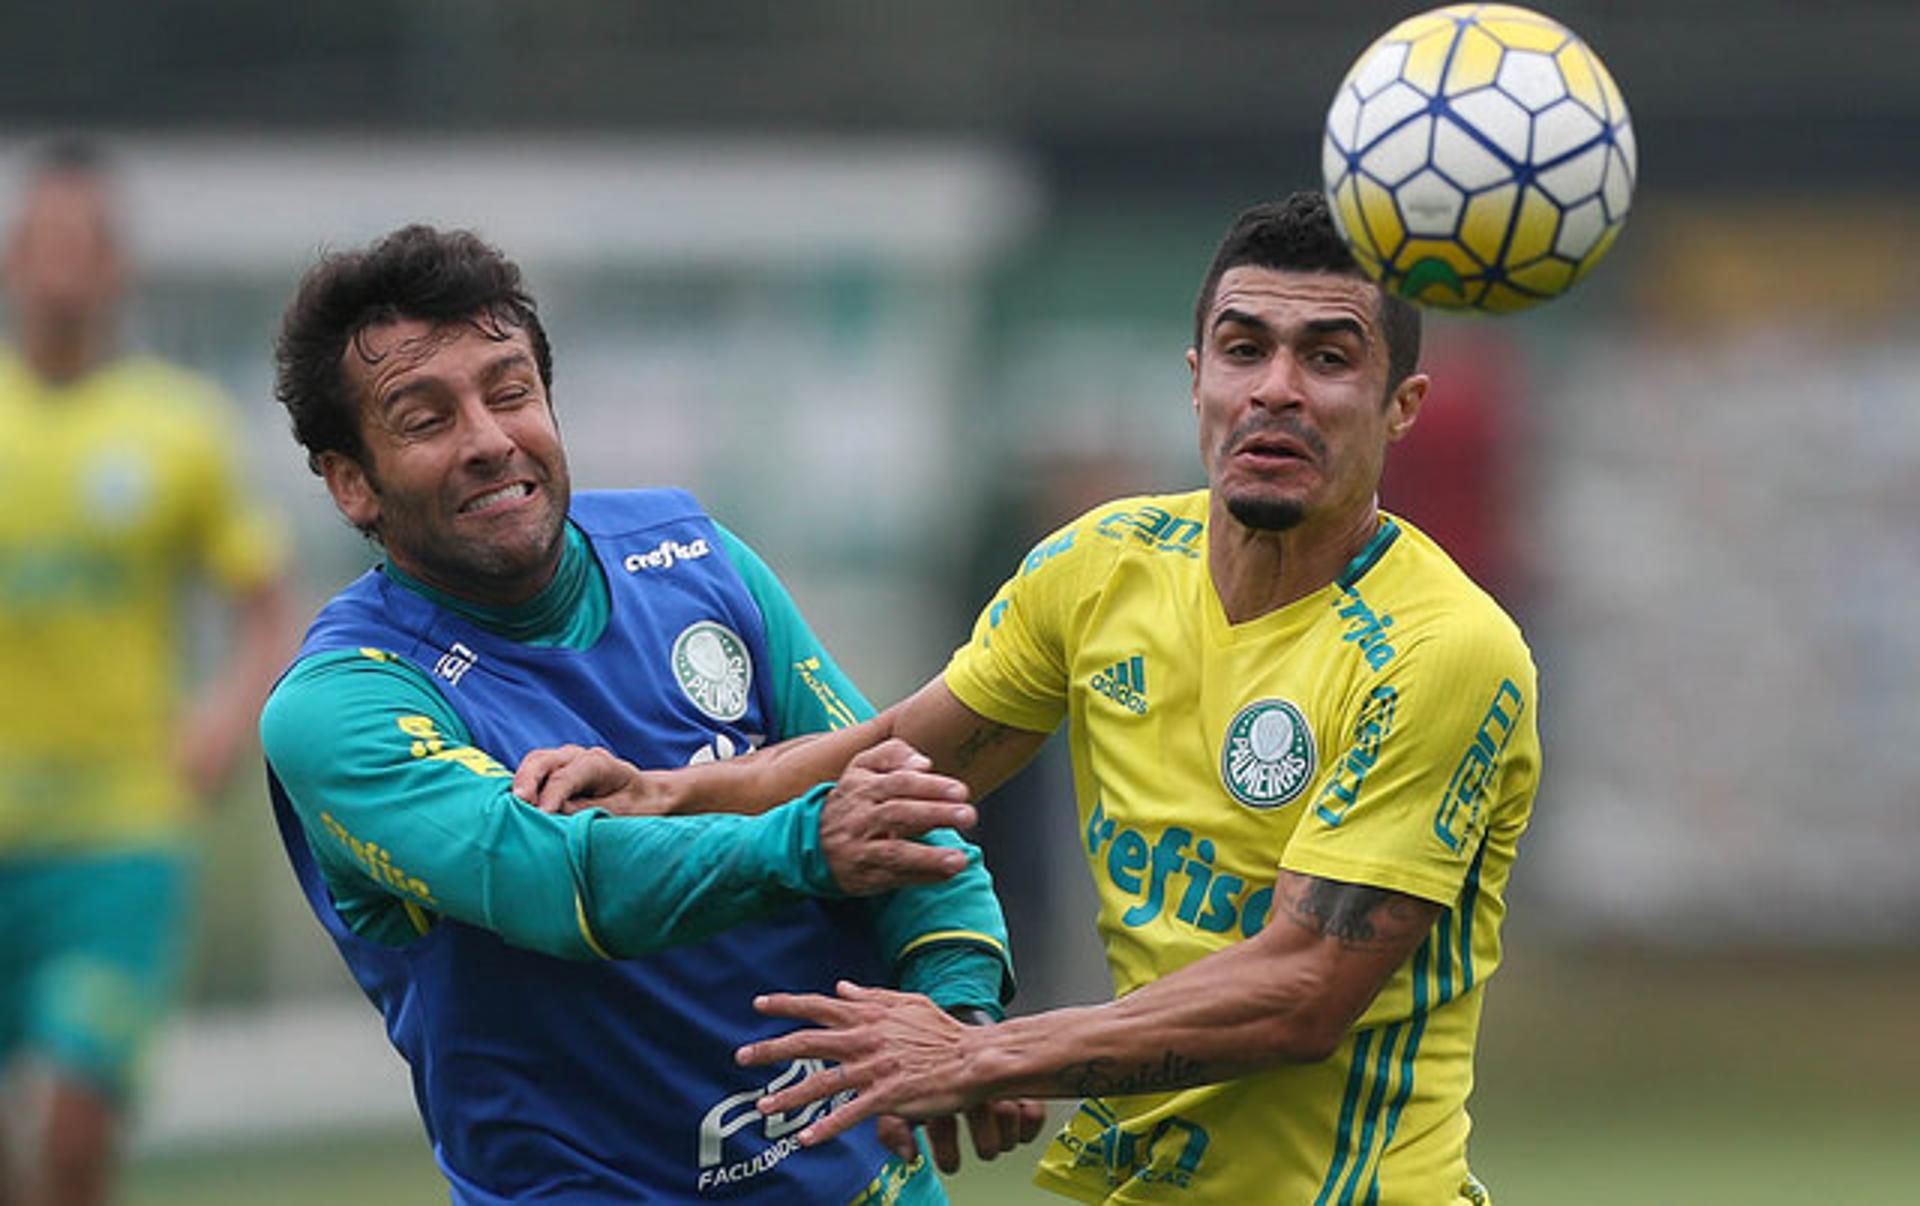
1280,387
487,440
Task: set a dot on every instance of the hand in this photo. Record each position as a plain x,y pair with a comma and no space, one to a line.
886,798
205,749
899,1053
996,1127
572,778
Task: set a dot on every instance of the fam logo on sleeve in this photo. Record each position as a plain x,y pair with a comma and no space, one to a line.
1268,756
711,665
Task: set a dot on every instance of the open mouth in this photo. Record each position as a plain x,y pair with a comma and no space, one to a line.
511,492
1272,450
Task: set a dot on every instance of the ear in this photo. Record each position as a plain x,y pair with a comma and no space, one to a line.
1403,407
352,490
1193,374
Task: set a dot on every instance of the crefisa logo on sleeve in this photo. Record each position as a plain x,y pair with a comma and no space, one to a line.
1268,757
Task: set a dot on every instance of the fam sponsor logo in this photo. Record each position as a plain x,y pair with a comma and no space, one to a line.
1125,683
738,1112
1175,868
1156,527
1168,1154
1268,756
666,555
1365,627
711,665
1349,773
1458,817
1044,552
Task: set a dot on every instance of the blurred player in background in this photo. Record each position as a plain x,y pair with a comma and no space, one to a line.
568,991
117,491
1304,750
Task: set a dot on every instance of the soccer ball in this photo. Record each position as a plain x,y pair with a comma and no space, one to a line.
1479,157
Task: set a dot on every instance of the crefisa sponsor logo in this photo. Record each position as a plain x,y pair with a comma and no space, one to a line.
779,1132
665,555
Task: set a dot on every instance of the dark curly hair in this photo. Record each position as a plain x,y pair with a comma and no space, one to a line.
416,272
1297,235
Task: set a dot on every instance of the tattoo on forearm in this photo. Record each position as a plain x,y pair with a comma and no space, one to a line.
1101,1077
978,742
1357,915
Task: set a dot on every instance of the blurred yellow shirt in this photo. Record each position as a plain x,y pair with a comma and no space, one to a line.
1379,731
116,491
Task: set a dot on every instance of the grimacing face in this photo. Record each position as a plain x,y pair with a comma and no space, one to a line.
465,478
1290,389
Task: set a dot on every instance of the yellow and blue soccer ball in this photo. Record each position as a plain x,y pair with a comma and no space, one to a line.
1479,157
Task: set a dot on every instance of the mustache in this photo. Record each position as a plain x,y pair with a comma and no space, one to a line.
1285,424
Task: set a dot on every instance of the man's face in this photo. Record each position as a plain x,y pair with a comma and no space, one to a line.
1290,386
64,267
465,480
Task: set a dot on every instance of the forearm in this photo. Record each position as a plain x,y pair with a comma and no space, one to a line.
766,778
401,810
1221,1017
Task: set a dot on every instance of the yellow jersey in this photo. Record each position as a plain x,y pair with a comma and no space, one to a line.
116,489
1379,731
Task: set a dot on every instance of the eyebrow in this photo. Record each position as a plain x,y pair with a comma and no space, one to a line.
1313,326
1335,326
1241,318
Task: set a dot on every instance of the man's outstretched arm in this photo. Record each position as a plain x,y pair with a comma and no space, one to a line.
1287,995
403,811
960,742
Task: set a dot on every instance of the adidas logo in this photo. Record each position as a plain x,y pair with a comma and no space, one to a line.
1125,683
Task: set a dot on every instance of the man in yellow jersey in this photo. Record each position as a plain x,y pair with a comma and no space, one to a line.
116,490
1304,751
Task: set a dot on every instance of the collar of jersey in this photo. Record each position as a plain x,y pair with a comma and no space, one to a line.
1307,608
569,612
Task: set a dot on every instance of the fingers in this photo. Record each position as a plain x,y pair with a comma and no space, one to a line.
1032,1118
913,785
943,1136
896,1135
890,754
988,1127
821,1085
536,766
549,779
833,1123
915,817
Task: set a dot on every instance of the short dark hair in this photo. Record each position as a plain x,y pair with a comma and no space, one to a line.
418,272
1297,235
72,154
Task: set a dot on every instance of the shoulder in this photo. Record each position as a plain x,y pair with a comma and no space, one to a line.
1141,525
319,694
152,383
1428,610
615,512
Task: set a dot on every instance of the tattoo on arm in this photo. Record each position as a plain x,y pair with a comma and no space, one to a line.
1102,1077
978,742
1359,916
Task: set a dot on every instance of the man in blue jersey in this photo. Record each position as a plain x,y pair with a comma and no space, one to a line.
568,991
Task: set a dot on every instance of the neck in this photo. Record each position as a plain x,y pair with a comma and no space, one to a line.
61,352
1256,571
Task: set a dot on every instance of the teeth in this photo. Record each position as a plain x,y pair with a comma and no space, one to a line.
516,490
